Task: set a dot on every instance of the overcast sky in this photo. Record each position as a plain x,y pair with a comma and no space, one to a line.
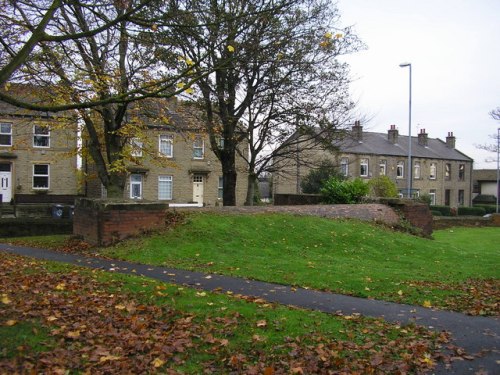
454,49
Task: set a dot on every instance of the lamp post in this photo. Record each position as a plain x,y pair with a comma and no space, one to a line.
404,65
498,165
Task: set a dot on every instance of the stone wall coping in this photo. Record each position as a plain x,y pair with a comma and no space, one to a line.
120,205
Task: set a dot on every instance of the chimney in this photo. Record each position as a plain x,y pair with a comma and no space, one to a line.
357,131
450,140
392,135
422,138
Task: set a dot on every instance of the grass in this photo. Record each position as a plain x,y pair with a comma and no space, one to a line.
348,257
258,332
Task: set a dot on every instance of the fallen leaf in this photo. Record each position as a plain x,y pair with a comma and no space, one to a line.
261,323
158,362
5,299
61,286
109,358
427,303
73,334
10,322
400,292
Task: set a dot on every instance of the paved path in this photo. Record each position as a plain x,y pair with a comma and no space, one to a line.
474,334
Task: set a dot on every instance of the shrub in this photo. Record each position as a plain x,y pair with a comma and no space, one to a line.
473,211
488,208
383,187
314,180
424,198
484,199
445,210
436,213
336,191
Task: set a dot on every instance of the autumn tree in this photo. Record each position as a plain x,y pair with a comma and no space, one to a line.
269,60
99,59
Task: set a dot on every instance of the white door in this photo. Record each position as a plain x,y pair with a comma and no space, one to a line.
6,186
198,188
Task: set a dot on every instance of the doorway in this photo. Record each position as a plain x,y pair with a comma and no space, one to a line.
5,183
198,188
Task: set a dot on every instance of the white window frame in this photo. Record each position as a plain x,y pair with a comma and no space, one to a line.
220,188
169,181
344,166
382,167
447,171
461,172
39,175
41,135
9,133
169,142
197,147
364,164
135,183
400,166
432,171
416,170
136,147
432,194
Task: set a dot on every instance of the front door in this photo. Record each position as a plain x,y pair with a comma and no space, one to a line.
198,188
5,182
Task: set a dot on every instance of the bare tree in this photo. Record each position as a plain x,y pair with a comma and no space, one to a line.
492,147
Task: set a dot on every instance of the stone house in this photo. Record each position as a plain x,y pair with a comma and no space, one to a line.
485,182
38,162
172,161
438,168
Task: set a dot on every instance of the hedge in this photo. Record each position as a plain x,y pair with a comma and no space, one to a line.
488,208
436,213
445,210
471,211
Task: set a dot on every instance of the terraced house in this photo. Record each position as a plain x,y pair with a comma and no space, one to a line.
38,163
172,160
438,168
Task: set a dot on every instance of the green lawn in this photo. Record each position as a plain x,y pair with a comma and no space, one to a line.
348,257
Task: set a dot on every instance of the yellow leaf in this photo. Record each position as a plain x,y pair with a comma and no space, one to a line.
427,359
119,307
10,323
73,334
158,362
109,358
261,323
338,36
201,294
5,299
400,292
51,318
427,303
328,35
189,90
61,286
180,85
230,48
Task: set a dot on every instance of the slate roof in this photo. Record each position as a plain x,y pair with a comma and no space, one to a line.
484,174
378,144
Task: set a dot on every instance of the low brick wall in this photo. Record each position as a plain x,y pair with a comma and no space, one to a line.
296,199
103,223
417,214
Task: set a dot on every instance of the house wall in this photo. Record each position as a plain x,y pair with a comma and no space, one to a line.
182,167
289,177
22,155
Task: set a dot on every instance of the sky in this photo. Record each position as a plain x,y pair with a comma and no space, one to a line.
454,49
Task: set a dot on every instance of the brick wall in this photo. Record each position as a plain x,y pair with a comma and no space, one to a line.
103,223
417,214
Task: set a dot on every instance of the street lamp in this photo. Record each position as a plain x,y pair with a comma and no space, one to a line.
498,165
404,65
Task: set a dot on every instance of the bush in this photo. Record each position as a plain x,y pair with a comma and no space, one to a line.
445,210
424,198
336,191
383,187
473,211
313,182
488,208
436,213
484,199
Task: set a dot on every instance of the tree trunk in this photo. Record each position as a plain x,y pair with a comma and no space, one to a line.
251,185
229,179
116,186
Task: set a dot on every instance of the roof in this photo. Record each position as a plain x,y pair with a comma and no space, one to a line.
484,175
378,144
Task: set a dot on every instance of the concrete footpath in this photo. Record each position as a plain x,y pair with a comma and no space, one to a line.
478,336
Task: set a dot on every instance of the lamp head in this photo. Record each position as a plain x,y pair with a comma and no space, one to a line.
405,64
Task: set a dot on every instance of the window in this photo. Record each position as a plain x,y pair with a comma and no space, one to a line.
447,171
165,184
363,170
447,197
344,166
220,191
432,194
136,186
40,176
461,195
461,172
166,146
136,145
198,178
5,134
41,136
198,148
400,169
433,171
382,167
416,170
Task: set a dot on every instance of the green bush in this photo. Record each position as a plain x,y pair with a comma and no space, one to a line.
445,210
436,213
488,208
424,198
314,180
383,187
336,191
473,211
